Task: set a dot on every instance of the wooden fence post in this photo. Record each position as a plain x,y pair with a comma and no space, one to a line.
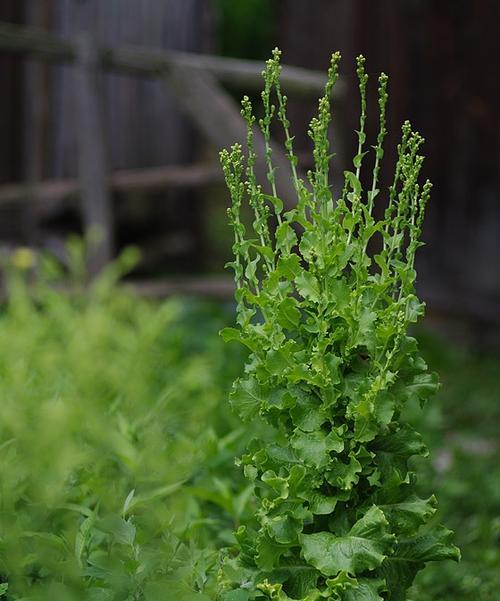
92,155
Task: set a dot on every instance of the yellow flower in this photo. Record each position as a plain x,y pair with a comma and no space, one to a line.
23,259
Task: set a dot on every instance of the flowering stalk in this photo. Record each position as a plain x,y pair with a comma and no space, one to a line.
330,369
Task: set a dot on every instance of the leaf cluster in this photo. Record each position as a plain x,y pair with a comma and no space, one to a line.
325,297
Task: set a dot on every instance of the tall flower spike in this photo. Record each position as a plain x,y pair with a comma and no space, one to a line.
379,147
362,82
318,131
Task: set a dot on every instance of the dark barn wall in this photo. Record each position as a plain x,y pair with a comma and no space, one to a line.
10,102
144,125
441,57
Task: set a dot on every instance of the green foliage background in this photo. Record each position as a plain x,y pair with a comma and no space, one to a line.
111,422
246,28
117,448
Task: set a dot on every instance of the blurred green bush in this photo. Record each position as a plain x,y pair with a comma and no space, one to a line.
461,428
110,409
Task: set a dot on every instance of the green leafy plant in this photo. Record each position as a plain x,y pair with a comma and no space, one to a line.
325,297
111,437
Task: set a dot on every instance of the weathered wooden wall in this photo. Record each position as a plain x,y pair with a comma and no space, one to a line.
144,126
441,56
10,101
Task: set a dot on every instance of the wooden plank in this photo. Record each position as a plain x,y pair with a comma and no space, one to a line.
215,287
218,118
218,287
240,73
157,178
144,61
11,105
172,176
36,118
47,192
92,156
36,43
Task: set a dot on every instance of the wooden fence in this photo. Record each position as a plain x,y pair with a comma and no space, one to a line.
197,83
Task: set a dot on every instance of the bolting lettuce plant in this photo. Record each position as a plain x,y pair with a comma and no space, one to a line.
331,366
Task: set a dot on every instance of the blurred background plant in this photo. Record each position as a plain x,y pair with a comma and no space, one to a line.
110,410
461,428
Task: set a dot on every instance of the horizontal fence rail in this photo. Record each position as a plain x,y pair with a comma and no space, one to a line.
50,192
146,61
